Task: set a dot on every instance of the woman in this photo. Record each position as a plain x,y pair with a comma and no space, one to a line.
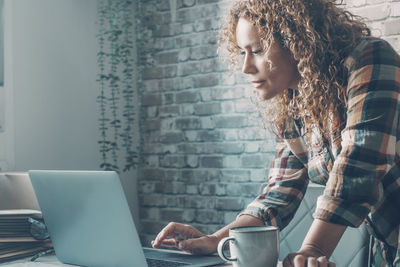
331,94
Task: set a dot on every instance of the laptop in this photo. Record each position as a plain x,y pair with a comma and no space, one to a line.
16,191
90,223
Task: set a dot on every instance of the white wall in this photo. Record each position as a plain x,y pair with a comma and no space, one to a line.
50,89
54,74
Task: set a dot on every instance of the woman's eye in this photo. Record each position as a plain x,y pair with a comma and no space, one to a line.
256,52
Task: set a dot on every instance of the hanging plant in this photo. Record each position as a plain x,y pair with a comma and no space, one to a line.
116,95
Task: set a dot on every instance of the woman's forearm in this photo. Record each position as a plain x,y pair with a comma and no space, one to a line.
322,237
244,220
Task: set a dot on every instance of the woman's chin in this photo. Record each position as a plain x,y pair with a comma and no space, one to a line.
263,95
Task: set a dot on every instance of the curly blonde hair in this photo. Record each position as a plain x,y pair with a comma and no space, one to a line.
320,35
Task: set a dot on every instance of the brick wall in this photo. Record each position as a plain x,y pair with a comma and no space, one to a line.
382,16
204,152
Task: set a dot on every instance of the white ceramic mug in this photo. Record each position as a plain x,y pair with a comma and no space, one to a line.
254,246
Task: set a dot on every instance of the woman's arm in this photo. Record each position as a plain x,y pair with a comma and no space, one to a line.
189,239
367,154
369,138
322,238
287,184
318,245
276,205
244,220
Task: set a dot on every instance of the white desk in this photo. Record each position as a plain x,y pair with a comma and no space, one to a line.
45,261
51,261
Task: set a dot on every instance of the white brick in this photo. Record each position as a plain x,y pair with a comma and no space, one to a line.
376,28
228,93
245,106
152,161
233,189
392,27
231,135
184,54
192,161
191,135
252,147
240,78
227,79
374,2
187,3
192,189
206,94
253,133
376,12
187,28
152,112
170,149
357,3
188,215
255,120
153,214
268,144
229,217
258,175
187,109
207,123
395,9
220,189
231,161
227,107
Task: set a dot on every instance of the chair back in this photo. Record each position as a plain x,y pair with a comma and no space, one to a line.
353,248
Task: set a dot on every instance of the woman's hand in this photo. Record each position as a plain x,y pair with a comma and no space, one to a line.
307,259
318,245
186,238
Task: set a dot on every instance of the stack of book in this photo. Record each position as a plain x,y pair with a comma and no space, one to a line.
22,234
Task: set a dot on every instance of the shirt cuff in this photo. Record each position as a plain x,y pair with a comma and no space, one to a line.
266,217
338,211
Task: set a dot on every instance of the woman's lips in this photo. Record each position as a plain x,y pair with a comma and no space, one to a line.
258,83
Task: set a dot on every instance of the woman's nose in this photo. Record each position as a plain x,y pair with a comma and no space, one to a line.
248,64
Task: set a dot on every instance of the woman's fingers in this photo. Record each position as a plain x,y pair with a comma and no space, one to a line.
288,260
171,228
322,262
299,260
202,245
190,246
168,243
185,237
312,262
177,232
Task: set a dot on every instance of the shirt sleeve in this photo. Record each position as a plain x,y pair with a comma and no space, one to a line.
369,137
287,183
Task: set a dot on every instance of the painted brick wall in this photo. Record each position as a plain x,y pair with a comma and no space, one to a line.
204,152
382,16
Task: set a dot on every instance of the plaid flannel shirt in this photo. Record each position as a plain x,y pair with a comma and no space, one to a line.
359,165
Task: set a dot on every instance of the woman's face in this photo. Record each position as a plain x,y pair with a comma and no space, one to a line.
271,72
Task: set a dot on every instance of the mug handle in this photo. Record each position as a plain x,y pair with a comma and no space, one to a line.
221,246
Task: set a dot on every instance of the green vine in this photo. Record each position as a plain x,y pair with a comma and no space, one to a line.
116,97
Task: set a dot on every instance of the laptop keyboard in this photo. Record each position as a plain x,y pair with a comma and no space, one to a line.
163,263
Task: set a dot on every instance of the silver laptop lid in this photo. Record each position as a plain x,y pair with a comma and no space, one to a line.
16,191
88,218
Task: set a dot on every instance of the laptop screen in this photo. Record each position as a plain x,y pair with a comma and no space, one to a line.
90,223
88,218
